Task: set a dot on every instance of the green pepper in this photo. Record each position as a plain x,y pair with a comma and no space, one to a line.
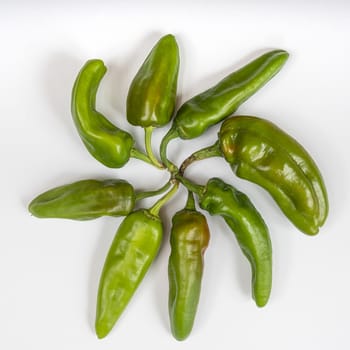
85,200
132,251
107,143
219,198
189,239
152,93
259,151
213,105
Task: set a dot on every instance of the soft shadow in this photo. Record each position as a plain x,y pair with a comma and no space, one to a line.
58,78
238,260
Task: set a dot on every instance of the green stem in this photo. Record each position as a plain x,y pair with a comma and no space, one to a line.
191,186
171,134
135,153
154,210
190,204
146,194
148,145
204,153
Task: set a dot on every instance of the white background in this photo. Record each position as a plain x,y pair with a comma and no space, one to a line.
49,269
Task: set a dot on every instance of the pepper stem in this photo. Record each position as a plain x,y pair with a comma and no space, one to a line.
154,210
170,135
135,153
148,145
146,194
204,153
191,186
190,204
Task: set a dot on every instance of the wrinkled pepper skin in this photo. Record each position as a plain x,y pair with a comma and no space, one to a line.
215,104
152,93
133,249
260,152
189,240
251,232
85,200
108,144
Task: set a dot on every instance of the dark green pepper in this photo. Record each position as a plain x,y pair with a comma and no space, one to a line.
213,105
152,93
219,198
107,143
259,151
85,200
133,249
189,239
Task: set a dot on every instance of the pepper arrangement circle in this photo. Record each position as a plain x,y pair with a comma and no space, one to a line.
256,149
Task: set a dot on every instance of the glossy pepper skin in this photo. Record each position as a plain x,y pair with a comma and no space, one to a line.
85,200
215,104
133,249
152,93
219,198
259,151
189,240
108,144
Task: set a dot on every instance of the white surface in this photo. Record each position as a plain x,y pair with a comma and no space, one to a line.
50,268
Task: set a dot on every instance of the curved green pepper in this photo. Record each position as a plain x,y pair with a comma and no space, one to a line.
259,151
85,200
152,93
132,251
215,104
107,143
189,240
219,198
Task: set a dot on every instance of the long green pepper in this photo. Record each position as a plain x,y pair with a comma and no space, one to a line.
152,93
259,151
132,252
85,200
108,144
219,198
189,239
